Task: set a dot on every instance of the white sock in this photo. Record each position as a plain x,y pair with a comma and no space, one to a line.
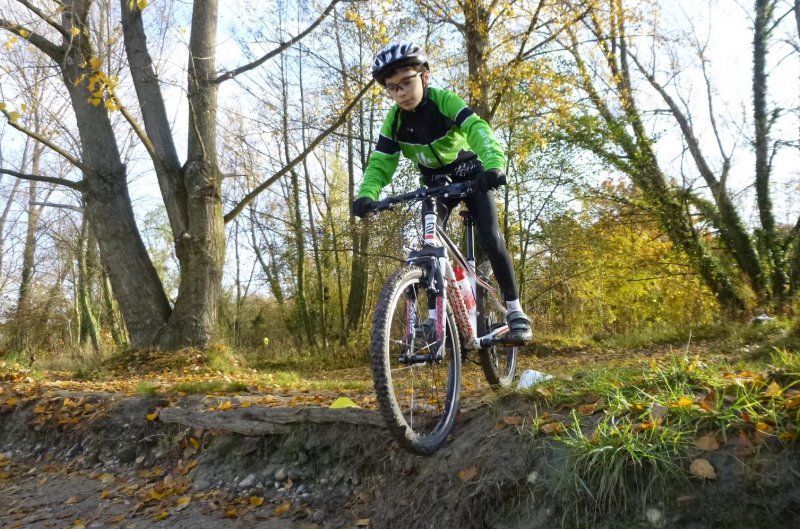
432,314
513,305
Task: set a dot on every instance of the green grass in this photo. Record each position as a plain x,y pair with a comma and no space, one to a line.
631,431
213,386
146,389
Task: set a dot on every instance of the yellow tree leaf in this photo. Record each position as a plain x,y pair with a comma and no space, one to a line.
13,116
24,33
75,31
256,501
283,508
141,4
702,468
468,474
152,416
162,515
95,63
2,106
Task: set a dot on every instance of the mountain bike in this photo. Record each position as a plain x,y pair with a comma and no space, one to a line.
417,367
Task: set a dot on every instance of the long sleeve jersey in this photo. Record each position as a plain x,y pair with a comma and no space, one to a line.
441,134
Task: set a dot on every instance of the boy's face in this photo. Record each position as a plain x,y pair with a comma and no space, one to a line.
405,86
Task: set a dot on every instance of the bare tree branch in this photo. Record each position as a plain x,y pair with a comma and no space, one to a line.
48,48
39,13
286,45
41,139
77,186
299,158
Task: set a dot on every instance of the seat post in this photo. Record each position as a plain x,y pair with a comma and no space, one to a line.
469,224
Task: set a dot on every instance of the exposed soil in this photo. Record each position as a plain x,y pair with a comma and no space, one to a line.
90,458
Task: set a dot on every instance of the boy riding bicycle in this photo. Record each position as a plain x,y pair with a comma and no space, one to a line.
445,137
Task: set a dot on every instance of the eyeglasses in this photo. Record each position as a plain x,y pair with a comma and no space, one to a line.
404,85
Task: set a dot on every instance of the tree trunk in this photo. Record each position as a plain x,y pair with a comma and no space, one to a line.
201,248
773,250
87,328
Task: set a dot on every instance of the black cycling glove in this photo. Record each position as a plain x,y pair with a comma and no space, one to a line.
490,179
362,206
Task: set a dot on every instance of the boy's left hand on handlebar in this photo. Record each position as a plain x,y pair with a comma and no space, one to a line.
490,179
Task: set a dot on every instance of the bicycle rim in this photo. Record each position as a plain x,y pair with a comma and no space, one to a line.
418,401
499,363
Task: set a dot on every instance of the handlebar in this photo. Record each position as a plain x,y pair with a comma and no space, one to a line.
459,189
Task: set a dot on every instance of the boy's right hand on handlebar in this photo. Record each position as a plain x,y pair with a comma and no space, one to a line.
490,179
362,206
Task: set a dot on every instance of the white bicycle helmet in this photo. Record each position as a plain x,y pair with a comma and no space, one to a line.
395,55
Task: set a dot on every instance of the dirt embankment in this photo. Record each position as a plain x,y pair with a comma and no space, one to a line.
100,460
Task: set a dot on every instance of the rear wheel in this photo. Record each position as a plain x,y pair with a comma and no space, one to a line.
417,390
499,362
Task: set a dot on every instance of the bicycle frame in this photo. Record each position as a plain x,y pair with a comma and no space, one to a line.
435,256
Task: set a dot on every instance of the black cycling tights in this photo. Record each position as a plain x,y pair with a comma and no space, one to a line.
484,212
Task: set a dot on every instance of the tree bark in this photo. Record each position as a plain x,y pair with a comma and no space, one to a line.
774,251
201,248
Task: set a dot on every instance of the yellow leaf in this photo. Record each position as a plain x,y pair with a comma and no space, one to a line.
24,33
231,512
163,515
245,404
78,524
343,402
194,442
225,405
94,100
512,420
75,31
468,474
683,402
106,478
141,4
95,63
792,403
104,494
182,503
2,106
71,500
152,416
702,468
12,118
773,390
283,508
256,501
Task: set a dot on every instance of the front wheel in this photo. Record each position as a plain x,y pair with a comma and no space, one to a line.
499,362
417,391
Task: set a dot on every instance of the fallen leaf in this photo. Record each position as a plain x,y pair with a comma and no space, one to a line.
72,500
773,390
106,478
792,403
512,420
162,515
225,406
183,502
104,494
362,522
283,508
343,402
152,416
256,501
702,468
707,442
657,411
468,474
743,446
551,427
587,409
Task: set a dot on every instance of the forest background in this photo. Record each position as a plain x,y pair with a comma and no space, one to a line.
181,173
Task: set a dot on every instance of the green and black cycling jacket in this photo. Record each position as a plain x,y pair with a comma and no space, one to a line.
441,135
